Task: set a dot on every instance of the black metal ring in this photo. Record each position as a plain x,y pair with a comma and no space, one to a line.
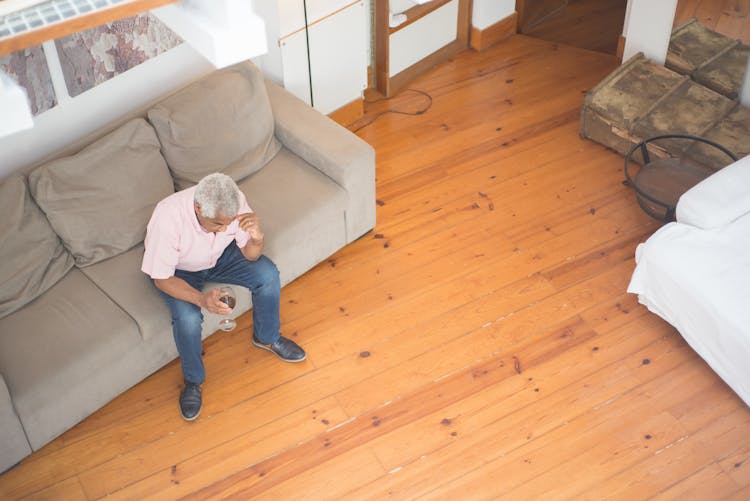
643,144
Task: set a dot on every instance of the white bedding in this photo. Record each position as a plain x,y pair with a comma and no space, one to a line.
698,280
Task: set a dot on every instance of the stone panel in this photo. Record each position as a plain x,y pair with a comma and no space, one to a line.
93,56
29,69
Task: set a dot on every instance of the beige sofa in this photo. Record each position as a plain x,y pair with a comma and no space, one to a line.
79,322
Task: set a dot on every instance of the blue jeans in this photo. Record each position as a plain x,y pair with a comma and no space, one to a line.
261,277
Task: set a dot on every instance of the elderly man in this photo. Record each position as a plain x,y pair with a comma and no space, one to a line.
209,233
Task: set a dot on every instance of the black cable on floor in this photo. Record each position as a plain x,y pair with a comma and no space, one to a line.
393,110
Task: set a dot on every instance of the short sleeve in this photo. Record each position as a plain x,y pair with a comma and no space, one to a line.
161,245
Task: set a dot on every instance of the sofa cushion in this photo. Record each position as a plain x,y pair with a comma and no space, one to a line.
100,199
299,208
13,444
121,279
32,256
222,123
67,362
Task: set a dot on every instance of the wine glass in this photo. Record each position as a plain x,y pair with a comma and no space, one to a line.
228,297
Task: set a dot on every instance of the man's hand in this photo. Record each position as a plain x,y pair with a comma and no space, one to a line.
212,303
251,225
180,289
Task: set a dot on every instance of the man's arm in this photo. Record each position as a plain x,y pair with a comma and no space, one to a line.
180,289
250,224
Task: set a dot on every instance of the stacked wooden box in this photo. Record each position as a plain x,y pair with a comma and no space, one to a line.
695,94
710,58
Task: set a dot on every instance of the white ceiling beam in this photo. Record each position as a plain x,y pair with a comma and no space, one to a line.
16,114
223,31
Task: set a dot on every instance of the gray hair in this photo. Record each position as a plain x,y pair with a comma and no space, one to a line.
218,195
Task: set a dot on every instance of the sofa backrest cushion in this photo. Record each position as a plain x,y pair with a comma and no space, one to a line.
221,123
99,200
33,257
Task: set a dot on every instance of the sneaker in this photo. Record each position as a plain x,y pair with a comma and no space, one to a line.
191,401
284,348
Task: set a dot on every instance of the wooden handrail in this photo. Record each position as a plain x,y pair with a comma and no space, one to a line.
83,22
417,12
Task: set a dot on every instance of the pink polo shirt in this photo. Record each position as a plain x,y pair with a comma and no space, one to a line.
175,239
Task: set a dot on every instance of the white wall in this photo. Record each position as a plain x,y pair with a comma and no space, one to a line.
77,117
485,13
271,62
338,32
422,38
648,26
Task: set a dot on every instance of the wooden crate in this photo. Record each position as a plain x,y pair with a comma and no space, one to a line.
710,58
692,45
732,132
689,109
640,100
725,72
612,108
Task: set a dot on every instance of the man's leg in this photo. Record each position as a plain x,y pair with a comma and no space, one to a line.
187,321
261,277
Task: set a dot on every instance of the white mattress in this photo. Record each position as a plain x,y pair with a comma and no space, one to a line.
698,280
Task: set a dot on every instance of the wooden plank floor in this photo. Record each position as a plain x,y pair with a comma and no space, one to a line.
586,24
597,24
730,17
478,344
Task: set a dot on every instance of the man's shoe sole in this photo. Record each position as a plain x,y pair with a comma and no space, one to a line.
199,401
268,348
191,418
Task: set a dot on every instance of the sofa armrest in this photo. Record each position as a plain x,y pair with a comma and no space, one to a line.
14,446
719,199
333,150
